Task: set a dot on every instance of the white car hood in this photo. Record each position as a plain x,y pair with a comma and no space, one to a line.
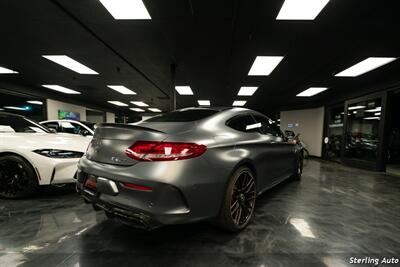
30,141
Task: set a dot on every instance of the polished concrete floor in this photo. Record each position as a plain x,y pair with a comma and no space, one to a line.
333,214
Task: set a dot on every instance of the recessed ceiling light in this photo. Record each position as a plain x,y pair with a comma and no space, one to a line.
312,91
247,90
118,103
355,107
377,114
264,65
364,66
301,9
204,102
239,103
35,102
121,89
137,109
139,103
70,63
61,89
7,71
372,118
154,109
184,90
126,9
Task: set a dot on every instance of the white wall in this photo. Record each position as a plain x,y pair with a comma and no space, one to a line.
110,117
309,123
53,106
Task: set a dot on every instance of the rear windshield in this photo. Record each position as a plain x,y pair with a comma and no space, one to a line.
184,115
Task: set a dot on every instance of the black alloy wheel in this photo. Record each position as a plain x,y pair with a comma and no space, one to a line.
239,202
17,177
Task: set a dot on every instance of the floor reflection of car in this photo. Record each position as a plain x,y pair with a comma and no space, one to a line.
84,128
31,155
187,165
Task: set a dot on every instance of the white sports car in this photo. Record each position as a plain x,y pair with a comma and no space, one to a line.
31,155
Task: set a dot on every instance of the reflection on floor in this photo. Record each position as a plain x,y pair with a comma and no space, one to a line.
333,214
393,169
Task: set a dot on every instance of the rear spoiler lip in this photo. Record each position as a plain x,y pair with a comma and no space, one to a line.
127,126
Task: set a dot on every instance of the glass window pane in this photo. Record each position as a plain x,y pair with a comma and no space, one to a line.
362,133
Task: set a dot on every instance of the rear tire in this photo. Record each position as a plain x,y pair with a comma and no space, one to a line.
17,177
299,169
239,201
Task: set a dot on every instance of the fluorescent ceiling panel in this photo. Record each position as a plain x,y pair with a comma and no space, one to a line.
70,63
118,103
7,71
312,91
61,89
247,90
239,103
356,107
154,109
184,90
35,102
137,109
204,102
14,108
365,66
139,103
126,9
301,9
264,65
374,109
372,118
377,114
121,89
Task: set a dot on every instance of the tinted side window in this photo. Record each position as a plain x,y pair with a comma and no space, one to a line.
70,127
267,126
243,123
52,125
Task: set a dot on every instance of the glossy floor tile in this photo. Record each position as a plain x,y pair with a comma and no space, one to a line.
333,214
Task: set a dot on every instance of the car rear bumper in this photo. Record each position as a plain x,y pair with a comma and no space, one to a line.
181,192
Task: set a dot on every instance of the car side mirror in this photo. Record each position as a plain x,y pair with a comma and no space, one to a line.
52,130
84,132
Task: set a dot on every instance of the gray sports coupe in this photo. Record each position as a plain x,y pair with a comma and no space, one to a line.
187,165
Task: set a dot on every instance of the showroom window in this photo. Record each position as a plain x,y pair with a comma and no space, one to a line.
362,131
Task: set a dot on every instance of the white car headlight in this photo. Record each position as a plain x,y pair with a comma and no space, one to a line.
59,154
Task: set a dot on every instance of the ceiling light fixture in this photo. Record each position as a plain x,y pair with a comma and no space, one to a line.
372,118
34,102
118,103
121,89
137,109
184,90
264,65
247,90
204,102
355,107
374,109
239,103
312,91
365,66
377,114
61,89
14,108
70,63
126,9
154,109
301,9
139,103
7,71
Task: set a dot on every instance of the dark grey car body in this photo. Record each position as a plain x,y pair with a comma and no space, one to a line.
184,190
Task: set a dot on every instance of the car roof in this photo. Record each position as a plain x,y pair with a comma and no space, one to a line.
10,114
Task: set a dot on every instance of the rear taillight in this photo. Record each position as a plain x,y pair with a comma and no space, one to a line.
163,151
